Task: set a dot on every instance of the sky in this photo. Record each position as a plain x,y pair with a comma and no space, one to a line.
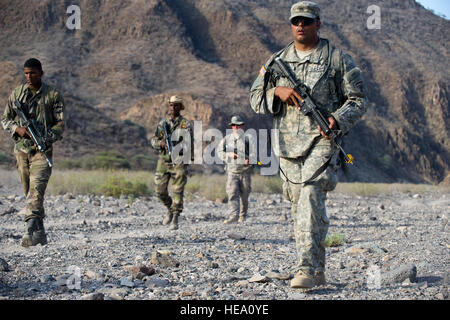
438,6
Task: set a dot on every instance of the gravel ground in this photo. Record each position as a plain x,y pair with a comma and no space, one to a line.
397,247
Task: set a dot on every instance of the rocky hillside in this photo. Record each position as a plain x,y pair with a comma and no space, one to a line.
129,56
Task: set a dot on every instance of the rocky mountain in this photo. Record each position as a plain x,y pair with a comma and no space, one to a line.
129,56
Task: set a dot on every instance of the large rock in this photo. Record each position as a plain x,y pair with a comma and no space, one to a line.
164,259
400,274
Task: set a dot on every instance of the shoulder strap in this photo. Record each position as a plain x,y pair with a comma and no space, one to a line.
268,75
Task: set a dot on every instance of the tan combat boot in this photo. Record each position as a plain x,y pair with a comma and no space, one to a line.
27,239
302,280
242,217
168,218
319,278
231,219
39,235
174,222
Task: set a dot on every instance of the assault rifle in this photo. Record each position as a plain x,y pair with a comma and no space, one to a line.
309,108
167,138
33,129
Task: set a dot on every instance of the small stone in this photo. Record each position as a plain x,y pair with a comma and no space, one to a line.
127,282
187,293
94,296
68,196
93,275
139,272
381,207
164,259
417,196
4,265
440,296
47,278
241,283
356,250
422,285
213,265
401,228
297,296
10,210
155,281
279,276
258,278
236,236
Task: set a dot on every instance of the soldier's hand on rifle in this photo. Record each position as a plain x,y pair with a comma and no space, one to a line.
22,132
163,145
333,126
232,155
288,95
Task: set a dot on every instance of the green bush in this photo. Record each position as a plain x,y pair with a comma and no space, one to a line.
142,162
335,240
105,160
119,186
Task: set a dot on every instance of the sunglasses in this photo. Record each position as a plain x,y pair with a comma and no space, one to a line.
304,20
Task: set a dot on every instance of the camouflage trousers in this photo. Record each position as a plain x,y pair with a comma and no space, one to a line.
34,174
178,174
308,211
238,190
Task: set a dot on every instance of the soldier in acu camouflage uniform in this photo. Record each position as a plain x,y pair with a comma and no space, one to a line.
174,168
308,158
235,150
46,105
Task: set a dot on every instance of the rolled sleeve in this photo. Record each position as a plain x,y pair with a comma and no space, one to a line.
352,87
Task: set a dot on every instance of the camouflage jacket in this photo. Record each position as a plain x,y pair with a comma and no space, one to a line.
244,146
181,131
47,108
335,85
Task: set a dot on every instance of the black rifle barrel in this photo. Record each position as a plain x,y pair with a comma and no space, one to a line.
308,106
32,129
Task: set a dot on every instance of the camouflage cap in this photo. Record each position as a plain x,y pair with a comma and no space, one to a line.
305,9
176,99
236,120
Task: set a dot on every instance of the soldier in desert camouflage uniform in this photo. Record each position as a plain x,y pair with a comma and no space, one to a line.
235,150
46,105
335,84
174,168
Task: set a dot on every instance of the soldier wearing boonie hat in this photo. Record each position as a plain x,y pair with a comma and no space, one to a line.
168,167
176,100
308,158
235,149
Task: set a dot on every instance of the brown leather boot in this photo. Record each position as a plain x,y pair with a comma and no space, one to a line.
302,280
